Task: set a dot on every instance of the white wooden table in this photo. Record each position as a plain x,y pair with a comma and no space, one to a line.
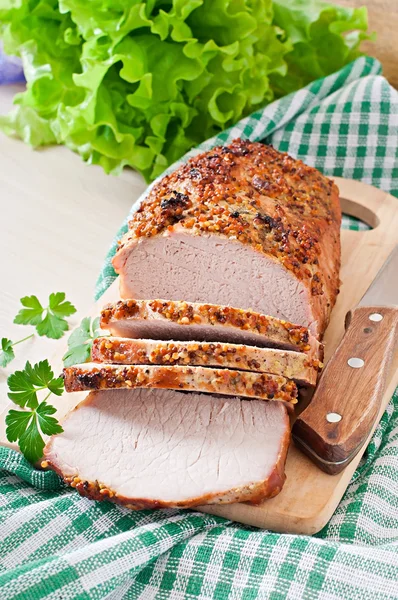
57,221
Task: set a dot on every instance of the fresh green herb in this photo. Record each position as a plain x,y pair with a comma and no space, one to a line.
81,340
7,353
50,320
25,384
27,426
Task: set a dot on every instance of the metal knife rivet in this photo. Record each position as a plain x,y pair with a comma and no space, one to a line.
376,317
356,363
333,417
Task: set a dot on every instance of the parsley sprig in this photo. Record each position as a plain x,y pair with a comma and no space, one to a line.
49,320
27,426
81,340
7,353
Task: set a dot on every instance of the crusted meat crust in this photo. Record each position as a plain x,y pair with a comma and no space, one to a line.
261,197
201,379
277,331
126,351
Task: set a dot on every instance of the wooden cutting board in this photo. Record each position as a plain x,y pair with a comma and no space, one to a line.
309,496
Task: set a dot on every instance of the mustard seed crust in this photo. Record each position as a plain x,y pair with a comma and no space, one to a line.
293,365
88,377
183,313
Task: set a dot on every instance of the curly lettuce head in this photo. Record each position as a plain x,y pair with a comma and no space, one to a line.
124,82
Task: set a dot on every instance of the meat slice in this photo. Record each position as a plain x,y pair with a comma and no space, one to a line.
240,225
293,365
169,320
95,376
161,448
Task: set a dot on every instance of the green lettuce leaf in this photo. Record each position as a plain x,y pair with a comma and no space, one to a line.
130,83
324,38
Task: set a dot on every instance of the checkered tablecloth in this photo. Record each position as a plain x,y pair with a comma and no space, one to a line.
56,545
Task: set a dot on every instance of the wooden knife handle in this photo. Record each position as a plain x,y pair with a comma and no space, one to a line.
347,399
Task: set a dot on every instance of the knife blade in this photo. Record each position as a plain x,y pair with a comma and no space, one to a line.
383,291
347,400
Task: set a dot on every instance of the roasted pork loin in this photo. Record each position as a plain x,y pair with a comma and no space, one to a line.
168,320
126,351
160,448
241,225
95,376
179,419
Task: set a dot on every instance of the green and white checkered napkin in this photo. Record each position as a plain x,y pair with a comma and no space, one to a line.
56,545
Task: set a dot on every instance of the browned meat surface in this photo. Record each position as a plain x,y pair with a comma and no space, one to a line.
168,320
95,376
160,448
241,225
293,365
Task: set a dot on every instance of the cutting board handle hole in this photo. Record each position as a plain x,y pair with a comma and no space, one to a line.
360,212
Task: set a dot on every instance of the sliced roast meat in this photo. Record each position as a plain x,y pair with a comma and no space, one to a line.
293,365
161,448
240,225
169,320
95,376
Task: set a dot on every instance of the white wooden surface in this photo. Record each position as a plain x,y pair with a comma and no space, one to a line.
54,232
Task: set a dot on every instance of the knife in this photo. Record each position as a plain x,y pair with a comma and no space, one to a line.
347,400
